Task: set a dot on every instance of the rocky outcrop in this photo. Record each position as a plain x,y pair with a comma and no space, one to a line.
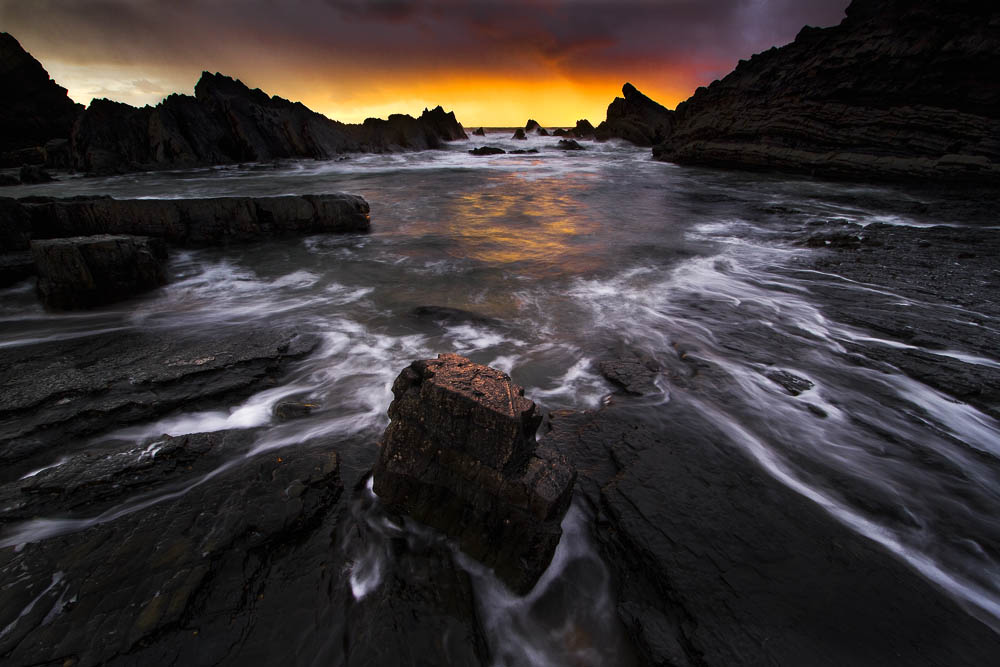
188,222
901,89
532,127
35,109
227,122
479,133
519,134
634,118
86,271
460,455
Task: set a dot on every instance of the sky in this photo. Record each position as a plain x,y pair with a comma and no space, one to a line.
494,62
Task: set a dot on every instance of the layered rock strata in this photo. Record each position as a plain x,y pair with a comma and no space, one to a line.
460,455
188,222
899,90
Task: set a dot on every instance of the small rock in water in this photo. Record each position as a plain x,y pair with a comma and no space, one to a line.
31,174
519,134
636,373
460,455
480,132
523,151
793,384
487,150
293,410
569,145
85,271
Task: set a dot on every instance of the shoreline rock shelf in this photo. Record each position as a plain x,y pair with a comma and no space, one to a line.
460,455
186,222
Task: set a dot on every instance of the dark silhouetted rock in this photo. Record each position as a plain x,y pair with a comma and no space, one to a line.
560,132
901,89
480,132
35,108
227,122
519,134
33,174
189,222
532,127
86,271
634,118
583,129
9,179
569,145
487,150
523,151
460,455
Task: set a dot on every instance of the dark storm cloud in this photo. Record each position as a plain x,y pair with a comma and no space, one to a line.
568,34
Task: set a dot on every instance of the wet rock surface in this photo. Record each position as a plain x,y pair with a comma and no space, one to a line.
86,271
891,92
70,389
189,222
913,271
214,570
460,456
717,563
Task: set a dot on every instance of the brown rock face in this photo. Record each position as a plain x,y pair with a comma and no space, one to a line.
460,455
901,89
86,271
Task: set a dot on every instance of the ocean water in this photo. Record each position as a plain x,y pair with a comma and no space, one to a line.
577,257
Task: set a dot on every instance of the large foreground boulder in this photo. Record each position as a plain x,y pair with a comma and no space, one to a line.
85,271
460,455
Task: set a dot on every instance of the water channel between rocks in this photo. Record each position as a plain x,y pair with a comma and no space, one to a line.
569,259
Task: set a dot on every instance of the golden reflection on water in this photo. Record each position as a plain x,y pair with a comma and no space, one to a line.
538,224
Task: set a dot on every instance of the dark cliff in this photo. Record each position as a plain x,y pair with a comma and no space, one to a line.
901,89
227,122
35,109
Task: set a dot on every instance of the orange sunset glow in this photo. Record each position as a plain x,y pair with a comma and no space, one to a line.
493,64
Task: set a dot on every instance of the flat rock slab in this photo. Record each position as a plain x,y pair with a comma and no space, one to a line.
460,455
717,563
85,271
188,222
87,385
